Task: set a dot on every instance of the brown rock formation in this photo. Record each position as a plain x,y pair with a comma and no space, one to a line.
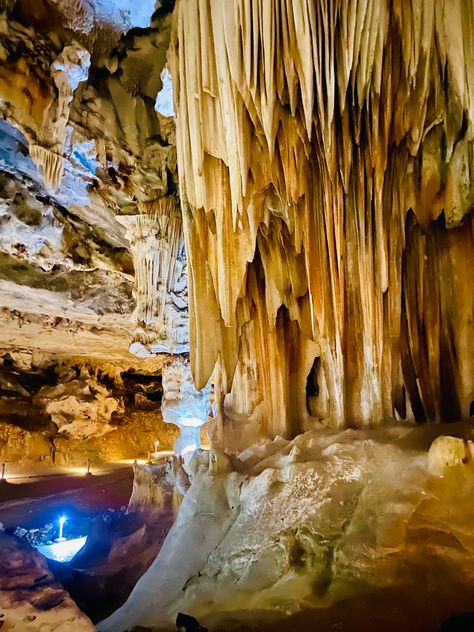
30,599
326,157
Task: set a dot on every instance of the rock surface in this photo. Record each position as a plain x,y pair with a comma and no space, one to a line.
309,523
64,411
326,153
30,598
80,144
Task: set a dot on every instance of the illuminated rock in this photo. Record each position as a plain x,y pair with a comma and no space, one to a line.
183,405
306,523
30,599
157,247
80,408
325,174
447,452
68,70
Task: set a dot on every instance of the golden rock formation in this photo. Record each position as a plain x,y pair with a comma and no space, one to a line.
326,153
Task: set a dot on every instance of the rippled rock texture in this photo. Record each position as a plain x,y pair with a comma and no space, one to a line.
325,155
30,598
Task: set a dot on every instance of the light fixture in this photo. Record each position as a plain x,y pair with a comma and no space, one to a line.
62,520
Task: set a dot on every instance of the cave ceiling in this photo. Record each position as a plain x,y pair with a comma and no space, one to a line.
81,143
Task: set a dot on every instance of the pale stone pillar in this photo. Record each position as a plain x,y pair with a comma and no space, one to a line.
183,405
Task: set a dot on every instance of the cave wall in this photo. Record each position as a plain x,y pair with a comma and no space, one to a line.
325,155
81,143
64,410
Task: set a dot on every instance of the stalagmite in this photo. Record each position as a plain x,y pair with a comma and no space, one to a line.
326,155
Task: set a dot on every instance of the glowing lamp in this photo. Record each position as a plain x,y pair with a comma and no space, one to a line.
62,520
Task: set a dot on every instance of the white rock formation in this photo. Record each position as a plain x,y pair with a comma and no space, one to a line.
164,98
157,248
183,405
81,408
307,522
161,315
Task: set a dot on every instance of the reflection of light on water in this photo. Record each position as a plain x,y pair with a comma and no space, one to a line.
62,551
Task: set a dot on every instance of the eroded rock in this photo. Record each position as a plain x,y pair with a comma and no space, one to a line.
30,598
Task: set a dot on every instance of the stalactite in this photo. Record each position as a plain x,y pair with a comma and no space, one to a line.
160,315
51,165
325,154
68,70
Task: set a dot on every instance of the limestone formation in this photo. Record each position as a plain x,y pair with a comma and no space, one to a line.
160,279
68,70
325,155
310,193
183,405
62,412
30,599
299,525
79,102
161,315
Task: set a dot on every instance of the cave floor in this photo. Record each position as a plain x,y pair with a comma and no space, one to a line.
98,585
424,609
39,496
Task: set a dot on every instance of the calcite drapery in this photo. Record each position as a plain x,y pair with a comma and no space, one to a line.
157,246
161,314
68,70
326,153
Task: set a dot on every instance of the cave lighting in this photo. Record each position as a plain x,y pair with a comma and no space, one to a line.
62,520
76,470
62,551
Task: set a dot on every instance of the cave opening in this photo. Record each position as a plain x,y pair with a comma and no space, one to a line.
312,387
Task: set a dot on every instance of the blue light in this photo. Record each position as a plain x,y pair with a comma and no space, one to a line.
62,551
62,520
